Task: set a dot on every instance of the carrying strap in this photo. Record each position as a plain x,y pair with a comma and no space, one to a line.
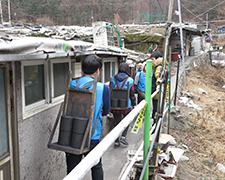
93,131
120,87
86,86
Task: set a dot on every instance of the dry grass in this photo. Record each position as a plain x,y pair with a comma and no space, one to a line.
207,137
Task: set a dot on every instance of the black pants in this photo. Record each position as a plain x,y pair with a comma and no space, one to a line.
118,118
72,160
155,105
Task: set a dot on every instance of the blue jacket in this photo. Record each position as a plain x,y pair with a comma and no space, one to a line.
120,78
98,103
141,82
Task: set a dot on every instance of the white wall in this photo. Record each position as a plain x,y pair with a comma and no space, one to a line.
35,159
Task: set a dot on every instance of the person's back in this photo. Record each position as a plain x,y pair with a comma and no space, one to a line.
139,83
122,79
91,65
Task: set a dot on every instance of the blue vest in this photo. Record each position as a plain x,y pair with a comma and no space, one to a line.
98,103
130,80
141,82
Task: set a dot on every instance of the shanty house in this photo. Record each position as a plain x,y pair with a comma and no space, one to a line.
33,76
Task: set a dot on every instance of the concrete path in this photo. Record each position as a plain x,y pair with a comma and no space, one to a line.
115,159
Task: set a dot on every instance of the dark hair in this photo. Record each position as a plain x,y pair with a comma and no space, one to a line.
156,54
124,68
139,62
91,64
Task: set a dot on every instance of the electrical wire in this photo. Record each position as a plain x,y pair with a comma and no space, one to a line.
209,9
160,6
190,12
192,3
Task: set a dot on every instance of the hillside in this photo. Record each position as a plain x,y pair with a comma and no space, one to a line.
204,141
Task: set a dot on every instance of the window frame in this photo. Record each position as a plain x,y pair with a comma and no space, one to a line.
52,62
30,110
103,68
36,105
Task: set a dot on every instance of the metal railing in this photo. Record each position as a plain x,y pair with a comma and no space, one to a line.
129,167
94,156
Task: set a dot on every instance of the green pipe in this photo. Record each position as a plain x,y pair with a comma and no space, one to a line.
148,92
169,100
121,45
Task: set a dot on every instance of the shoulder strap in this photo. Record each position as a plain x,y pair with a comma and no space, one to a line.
116,82
125,80
120,87
86,86
93,131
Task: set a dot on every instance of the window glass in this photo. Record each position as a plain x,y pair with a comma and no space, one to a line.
3,117
34,83
60,71
107,71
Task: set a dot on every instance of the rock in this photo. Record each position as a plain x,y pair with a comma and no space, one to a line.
198,77
201,91
223,87
184,159
184,146
196,97
180,121
208,161
175,110
183,100
220,167
191,104
188,70
188,94
172,142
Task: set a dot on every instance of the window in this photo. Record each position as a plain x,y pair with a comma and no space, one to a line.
34,83
109,69
60,73
3,118
43,83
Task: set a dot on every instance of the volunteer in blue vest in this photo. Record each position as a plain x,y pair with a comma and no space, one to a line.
139,67
139,83
123,76
91,65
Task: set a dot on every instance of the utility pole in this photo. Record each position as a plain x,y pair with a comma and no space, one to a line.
181,42
1,17
170,10
207,18
9,11
92,17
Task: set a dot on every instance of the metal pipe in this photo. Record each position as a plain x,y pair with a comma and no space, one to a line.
125,174
9,11
1,16
150,149
181,42
93,156
148,92
169,93
178,67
